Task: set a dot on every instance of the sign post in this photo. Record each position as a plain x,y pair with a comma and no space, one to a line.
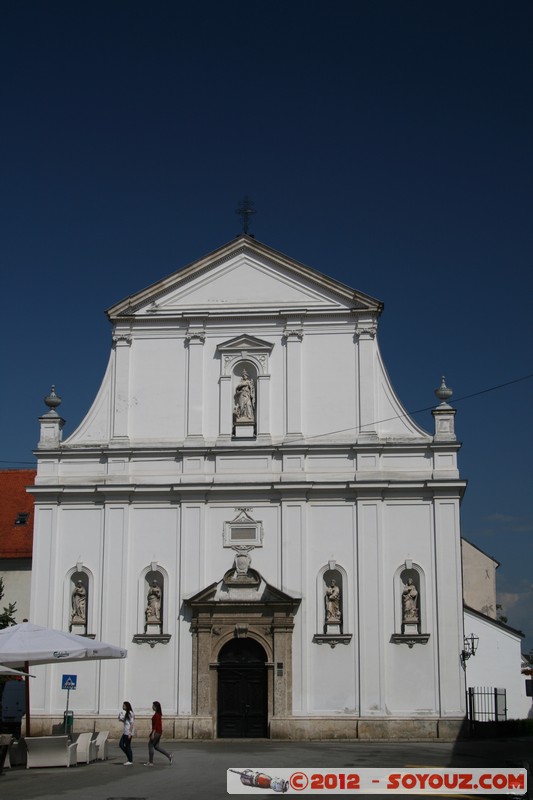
68,682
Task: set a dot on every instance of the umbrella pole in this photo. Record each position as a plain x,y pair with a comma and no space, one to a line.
27,679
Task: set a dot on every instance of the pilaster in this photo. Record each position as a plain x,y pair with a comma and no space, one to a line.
293,339
366,333
225,406
263,405
195,339
121,404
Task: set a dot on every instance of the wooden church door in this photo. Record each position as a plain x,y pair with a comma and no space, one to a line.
242,690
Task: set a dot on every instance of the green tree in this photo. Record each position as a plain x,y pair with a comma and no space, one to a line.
500,617
7,616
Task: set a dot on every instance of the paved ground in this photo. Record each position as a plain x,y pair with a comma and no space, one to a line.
199,769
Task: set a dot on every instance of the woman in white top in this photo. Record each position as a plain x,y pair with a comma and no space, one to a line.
128,718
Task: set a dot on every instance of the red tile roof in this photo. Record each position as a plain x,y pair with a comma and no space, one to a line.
16,530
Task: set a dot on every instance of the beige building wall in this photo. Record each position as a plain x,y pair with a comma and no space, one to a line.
479,579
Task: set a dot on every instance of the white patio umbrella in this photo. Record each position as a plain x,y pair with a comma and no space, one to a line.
32,644
37,645
14,673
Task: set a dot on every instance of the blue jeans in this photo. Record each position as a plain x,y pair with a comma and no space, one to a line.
153,744
125,746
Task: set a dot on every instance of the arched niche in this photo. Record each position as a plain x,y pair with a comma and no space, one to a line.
253,354
410,604
78,599
244,399
332,605
152,607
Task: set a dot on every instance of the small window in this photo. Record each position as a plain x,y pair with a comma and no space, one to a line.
22,518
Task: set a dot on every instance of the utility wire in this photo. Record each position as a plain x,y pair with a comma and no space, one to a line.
366,425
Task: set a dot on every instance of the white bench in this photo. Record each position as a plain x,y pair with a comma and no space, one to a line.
50,751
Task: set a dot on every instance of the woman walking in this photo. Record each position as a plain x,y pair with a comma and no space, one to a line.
155,736
127,717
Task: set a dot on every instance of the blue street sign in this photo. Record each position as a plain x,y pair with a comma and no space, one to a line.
69,681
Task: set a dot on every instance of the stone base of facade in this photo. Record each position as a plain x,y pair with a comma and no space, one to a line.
173,727
317,728
281,728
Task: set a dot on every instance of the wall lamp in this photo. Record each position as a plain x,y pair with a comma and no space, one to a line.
470,646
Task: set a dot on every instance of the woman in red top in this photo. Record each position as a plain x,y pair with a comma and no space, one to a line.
155,735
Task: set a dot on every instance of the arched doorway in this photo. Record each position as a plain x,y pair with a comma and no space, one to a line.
242,690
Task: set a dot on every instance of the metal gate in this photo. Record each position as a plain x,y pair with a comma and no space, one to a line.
486,704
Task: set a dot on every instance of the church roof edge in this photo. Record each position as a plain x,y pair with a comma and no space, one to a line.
243,241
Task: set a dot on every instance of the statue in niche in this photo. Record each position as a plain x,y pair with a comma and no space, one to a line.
410,602
79,604
153,609
333,604
244,400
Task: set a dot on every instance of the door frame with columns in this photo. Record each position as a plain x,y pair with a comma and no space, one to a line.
260,612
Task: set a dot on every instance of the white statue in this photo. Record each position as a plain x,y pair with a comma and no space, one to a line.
153,609
244,403
333,603
79,604
409,602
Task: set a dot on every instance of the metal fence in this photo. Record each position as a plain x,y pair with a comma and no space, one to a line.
486,704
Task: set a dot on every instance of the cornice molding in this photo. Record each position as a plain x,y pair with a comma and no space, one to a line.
333,639
261,253
410,639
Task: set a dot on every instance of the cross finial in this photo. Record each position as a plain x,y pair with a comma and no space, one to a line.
245,210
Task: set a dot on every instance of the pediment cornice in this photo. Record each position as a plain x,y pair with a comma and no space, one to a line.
270,595
245,342
148,299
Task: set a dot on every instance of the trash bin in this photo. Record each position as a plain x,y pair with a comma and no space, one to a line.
68,721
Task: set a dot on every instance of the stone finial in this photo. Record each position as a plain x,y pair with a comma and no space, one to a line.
52,400
443,393
51,423
444,414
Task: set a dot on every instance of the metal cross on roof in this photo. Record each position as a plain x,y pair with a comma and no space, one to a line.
245,210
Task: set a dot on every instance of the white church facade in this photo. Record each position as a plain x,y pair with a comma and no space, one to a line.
249,510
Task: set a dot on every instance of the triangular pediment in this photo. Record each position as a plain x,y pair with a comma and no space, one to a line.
262,594
245,342
244,276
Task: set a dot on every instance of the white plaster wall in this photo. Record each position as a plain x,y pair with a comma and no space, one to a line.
331,672
448,602
158,388
370,590
329,384
411,673
497,664
78,534
154,537
152,404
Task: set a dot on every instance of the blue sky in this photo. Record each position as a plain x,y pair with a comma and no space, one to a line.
387,144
